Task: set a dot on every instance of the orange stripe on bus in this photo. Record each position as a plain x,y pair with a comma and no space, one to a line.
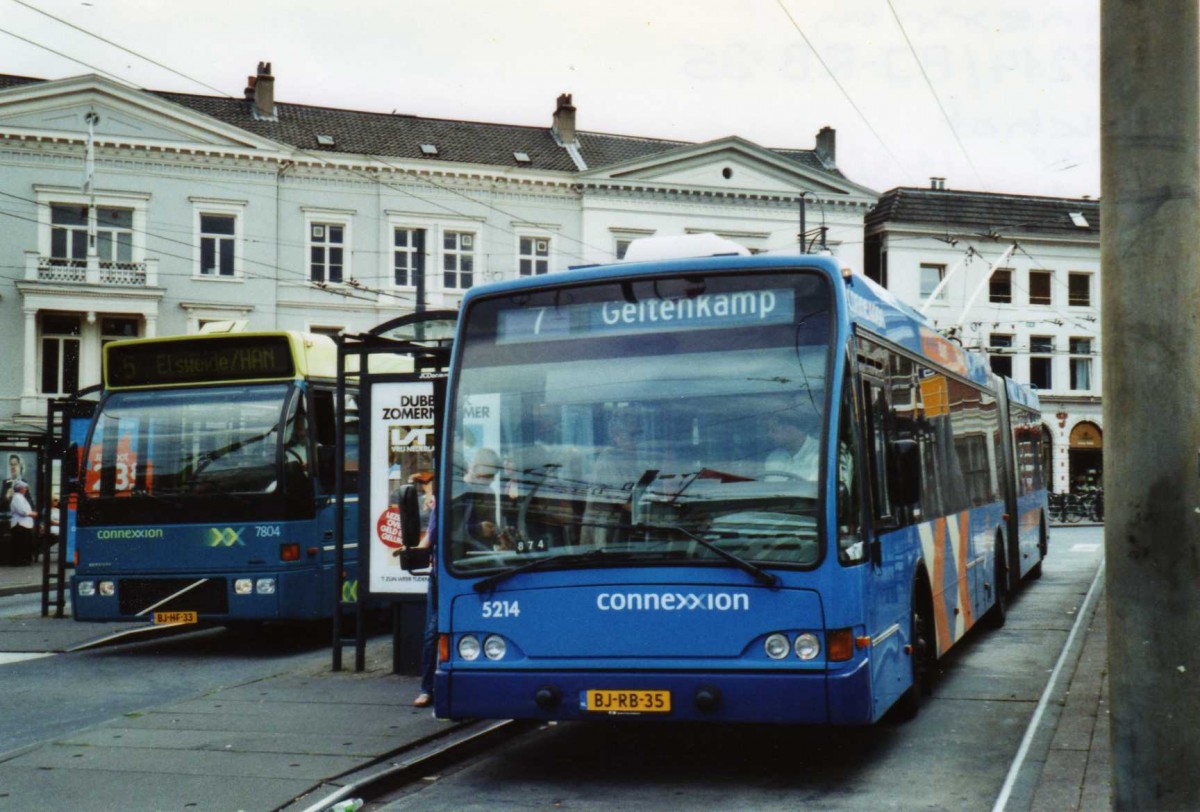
964,588
939,599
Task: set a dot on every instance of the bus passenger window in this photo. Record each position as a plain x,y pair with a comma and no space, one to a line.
851,547
875,400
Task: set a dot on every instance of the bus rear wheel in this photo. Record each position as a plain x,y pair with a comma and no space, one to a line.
998,614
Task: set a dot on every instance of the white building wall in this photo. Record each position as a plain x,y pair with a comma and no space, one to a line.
1063,407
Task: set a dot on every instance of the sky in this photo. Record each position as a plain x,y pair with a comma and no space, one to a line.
998,97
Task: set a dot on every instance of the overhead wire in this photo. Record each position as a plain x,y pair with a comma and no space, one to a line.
929,83
129,51
845,93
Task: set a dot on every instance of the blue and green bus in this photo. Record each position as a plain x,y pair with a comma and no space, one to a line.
206,488
731,488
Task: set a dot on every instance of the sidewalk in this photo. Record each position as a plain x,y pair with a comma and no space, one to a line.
1076,775
255,746
20,580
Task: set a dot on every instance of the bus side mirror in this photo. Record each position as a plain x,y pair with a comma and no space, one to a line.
412,557
904,478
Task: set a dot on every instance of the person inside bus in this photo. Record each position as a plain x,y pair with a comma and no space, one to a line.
476,507
796,451
615,472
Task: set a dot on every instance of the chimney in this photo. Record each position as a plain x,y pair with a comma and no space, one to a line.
564,120
827,147
937,183
260,89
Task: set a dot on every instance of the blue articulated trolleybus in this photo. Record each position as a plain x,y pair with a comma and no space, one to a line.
206,489
751,489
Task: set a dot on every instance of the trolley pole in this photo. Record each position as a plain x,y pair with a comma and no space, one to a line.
1150,255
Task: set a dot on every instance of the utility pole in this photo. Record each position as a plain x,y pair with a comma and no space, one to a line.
1150,255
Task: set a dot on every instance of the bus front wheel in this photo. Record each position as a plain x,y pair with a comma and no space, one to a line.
921,651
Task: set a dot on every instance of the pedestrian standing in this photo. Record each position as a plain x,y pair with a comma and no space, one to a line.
20,518
429,643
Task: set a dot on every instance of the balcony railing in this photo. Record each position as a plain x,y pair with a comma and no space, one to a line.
90,271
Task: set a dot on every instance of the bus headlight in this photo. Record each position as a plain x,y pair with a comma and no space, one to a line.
494,647
265,586
468,647
243,586
86,589
777,646
807,646
107,589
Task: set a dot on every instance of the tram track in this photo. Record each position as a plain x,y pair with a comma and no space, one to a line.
387,777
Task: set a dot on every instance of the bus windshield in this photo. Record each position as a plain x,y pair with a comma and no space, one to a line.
174,447
653,420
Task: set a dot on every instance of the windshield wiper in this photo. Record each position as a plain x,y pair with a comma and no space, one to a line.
163,500
757,572
237,445
489,583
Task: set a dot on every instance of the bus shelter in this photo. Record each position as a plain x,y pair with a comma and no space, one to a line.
67,422
400,369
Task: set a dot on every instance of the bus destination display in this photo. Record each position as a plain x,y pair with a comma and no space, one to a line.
200,360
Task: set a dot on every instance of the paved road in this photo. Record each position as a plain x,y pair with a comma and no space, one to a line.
48,693
955,755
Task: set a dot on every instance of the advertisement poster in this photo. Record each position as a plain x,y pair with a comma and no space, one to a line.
77,435
402,453
19,465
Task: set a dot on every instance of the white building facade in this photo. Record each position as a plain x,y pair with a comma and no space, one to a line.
130,213
1019,278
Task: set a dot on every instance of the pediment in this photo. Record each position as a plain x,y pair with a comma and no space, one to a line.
729,165
126,115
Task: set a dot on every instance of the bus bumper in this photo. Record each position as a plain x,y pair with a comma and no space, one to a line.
842,698
301,595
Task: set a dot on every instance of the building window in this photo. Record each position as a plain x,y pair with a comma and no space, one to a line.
408,256
68,235
116,328
1079,289
326,248
458,259
114,235
1039,287
1000,356
1081,364
533,256
1041,361
931,277
622,247
60,354
218,236
1000,286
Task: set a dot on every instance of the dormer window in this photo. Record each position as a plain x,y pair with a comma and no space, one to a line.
429,150
522,158
325,140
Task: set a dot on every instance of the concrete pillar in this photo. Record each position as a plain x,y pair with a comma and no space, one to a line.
1150,296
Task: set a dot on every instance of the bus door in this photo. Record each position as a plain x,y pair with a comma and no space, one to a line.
890,578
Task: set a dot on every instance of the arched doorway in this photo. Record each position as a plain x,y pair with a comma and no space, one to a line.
1086,456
